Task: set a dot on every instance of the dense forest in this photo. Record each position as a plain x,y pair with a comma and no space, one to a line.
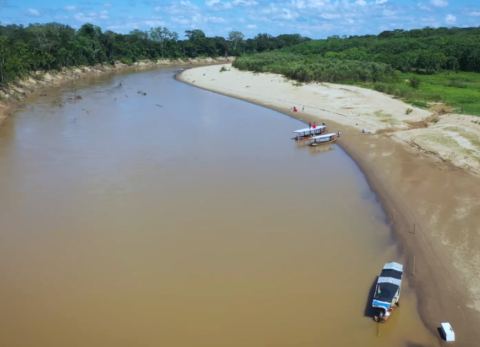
54,46
421,65
373,58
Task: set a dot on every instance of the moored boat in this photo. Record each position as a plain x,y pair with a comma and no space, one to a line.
387,291
306,133
324,138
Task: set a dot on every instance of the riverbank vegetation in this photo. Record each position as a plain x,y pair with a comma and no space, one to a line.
54,46
420,66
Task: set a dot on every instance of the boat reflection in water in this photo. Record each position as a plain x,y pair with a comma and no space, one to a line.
315,150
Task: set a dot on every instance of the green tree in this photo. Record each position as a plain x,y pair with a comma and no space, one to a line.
236,41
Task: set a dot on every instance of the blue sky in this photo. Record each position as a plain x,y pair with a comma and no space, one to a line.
313,18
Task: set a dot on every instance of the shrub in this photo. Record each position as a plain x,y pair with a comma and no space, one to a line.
414,82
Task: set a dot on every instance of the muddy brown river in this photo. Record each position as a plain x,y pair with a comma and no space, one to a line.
136,210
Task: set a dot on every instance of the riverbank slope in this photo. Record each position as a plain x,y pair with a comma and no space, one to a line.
14,93
424,167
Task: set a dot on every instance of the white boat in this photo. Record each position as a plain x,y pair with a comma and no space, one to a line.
306,133
324,138
387,290
447,332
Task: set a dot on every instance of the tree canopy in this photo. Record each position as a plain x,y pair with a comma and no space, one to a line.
53,46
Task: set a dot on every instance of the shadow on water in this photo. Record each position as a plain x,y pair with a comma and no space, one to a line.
369,311
305,143
414,344
300,143
441,333
314,150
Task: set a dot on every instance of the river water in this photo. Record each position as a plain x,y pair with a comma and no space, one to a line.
136,210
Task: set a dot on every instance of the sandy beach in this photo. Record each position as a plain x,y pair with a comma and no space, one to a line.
423,165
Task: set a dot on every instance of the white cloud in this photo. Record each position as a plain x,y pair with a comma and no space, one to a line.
82,17
225,5
450,19
211,3
388,13
381,2
103,14
251,26
302,4
70,7
219,5
244,2
424,7
215,20
91,16
475,13
153,23
439,3
275,12
328,15
33,12
361,2
197,20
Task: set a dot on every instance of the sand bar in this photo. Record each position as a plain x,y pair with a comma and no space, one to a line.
423,166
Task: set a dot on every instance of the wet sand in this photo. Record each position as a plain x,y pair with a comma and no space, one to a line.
135,216
432,205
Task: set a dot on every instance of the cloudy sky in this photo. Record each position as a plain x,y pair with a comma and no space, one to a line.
313,18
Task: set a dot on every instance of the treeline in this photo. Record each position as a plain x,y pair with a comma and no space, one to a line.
372,58
425,50
54,46
309,68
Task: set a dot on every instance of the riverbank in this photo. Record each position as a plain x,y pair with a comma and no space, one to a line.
422,164
37,82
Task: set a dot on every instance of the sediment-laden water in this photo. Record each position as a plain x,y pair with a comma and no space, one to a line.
140,211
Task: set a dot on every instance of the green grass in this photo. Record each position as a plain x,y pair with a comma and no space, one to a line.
460,90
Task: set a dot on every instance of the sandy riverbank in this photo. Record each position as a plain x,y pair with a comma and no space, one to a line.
423,166
36,82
